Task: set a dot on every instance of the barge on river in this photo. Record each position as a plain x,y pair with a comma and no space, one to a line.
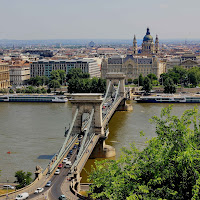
33,98
169,98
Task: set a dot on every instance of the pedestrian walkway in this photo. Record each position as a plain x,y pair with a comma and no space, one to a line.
65,188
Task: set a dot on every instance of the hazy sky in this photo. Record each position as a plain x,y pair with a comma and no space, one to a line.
99,19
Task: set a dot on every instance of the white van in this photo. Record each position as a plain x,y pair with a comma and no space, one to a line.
24,195
68,164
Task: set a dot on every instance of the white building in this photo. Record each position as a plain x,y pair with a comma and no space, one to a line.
45,67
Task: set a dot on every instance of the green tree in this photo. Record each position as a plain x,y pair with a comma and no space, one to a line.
38,91
141,80
94,85
74,73
152,77
194,76
44,80
169,86
18,90
62,76
135,81
130,81
168,168
23,178
147,86
55,75
48,90
43,90
54,84
101,86
11,91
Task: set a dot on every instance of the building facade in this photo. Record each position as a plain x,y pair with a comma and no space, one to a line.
45,67
132,66
4,76
187,61
19,75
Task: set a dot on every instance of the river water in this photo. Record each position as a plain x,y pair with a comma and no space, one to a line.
32,132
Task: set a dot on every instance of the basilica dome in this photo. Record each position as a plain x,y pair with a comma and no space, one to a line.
148,37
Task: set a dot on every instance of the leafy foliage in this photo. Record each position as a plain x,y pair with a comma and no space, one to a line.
169,86
168,168
141,80
23,178
147,86
77,83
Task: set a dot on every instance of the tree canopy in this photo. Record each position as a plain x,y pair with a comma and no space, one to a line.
147,86
23,178
169,86
167,169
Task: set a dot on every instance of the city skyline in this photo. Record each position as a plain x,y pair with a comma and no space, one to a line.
63,19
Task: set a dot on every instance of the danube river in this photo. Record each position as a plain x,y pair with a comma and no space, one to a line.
32,132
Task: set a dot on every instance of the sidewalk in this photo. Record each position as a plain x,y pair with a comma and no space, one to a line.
65,188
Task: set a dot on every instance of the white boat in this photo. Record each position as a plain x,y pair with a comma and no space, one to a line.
33,98
169,98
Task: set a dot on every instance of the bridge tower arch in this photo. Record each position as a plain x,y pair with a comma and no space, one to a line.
85,103
115,78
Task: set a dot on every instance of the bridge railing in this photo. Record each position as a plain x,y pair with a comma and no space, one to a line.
111,107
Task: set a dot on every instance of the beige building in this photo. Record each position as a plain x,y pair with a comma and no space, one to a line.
4,76
132,66
19,75
187,61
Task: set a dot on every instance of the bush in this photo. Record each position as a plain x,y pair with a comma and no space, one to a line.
11,91
18,90
49,90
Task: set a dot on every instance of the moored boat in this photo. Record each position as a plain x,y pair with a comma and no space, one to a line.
33,98
169,98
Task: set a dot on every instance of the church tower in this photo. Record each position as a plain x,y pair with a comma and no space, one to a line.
156,45
134,46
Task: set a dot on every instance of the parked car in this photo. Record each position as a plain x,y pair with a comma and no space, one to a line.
10,187
38,190
22,196
70,152
74,147
68,156
62,197
60,166
57,172
48,184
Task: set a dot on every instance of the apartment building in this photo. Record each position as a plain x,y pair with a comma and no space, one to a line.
4,76
45,67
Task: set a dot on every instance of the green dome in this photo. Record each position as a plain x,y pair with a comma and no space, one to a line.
148,37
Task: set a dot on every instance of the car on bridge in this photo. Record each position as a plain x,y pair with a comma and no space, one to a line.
62,197
57,172
64,160
39,190
48,184
60,166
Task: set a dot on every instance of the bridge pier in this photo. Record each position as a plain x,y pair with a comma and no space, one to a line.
102,150
123,106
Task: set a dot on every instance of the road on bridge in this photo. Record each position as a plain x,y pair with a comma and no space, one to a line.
55,189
